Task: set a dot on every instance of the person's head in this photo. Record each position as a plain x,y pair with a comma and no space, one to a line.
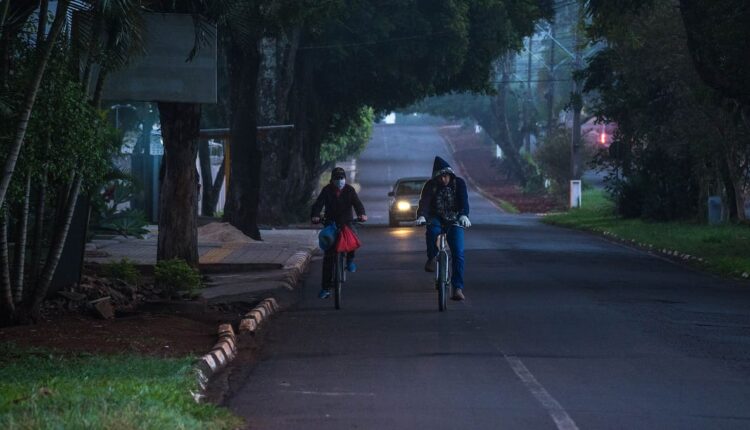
445,178
442,171
338,177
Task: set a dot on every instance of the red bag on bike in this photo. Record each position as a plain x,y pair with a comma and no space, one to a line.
348,240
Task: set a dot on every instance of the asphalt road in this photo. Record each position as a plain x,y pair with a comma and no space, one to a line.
560,329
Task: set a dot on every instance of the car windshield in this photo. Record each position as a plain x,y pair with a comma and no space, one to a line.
409,187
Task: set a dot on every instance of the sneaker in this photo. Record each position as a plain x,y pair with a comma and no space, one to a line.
324,294
458,294
430,265
351,267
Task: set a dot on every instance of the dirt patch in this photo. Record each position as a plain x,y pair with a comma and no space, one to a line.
141,323
159,329
477,160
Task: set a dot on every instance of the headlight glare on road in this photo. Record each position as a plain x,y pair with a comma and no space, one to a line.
403,205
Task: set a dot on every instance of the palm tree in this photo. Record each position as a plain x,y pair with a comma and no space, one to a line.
105,33
44,50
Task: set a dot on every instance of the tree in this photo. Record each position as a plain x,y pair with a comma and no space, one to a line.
384,55
56,121
23,111
180,124
675,144
67,131
262,43
717,33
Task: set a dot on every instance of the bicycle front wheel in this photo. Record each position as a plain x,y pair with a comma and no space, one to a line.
339,280
442,281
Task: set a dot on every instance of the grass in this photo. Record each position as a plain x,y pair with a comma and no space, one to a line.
507,206
723,248
47,390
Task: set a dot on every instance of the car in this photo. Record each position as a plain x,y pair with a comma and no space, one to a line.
404,200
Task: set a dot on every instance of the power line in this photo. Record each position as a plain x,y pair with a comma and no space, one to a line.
523,81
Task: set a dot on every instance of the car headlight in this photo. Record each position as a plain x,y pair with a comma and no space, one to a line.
403,205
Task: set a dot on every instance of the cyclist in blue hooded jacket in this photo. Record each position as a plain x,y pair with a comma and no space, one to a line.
444,208
338,198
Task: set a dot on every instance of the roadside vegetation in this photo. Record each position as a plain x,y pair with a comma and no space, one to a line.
721,249
46,389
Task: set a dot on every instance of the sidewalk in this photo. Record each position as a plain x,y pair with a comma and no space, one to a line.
235,268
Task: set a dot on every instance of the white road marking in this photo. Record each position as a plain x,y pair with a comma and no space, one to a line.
329,393
554,409
385,146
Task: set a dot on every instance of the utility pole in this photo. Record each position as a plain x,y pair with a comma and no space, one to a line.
577,104
551,89
527,102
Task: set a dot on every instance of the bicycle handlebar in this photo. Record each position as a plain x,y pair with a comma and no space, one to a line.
354,221
455,224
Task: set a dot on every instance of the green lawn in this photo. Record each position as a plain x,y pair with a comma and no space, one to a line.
46,390
723,248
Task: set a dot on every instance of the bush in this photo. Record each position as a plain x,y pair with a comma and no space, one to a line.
177,276
661,186
553,159
123,270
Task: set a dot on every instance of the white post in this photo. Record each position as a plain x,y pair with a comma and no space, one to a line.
575,193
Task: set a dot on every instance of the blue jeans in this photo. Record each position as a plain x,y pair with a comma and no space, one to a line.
456,244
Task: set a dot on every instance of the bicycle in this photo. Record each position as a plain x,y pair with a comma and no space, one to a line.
443,269
338,277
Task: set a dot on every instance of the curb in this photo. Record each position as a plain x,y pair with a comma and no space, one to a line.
225,349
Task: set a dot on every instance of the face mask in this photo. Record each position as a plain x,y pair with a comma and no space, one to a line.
339,183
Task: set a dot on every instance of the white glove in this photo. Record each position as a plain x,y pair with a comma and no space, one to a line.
421,221
464,222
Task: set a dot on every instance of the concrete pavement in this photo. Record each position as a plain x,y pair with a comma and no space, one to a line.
236,270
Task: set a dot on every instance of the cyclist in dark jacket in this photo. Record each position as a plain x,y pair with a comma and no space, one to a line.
444,207
338,198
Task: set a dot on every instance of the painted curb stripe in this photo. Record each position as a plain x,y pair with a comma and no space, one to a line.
248,324
209,360
219,356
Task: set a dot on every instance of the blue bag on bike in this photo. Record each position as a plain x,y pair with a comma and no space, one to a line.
327,236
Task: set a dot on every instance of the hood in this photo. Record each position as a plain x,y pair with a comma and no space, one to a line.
440,166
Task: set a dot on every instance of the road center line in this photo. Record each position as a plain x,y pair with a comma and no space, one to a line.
554,409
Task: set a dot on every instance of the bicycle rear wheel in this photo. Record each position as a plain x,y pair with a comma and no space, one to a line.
442,280
339,279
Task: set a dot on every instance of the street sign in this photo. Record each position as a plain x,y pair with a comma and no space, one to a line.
165,73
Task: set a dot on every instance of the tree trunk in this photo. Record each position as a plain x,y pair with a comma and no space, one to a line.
98,89
204,156
19,263
30,97
209,202
497,125
39,212
43,9
178,196
732,187
241,209
56,247
8,307
282,169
